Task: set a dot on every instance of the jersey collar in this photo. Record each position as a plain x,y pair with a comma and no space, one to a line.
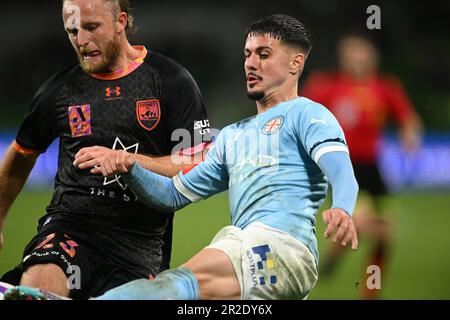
133,65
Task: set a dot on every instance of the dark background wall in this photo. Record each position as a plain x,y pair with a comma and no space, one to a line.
207,38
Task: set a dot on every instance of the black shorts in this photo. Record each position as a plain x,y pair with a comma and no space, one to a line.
369,179
89,272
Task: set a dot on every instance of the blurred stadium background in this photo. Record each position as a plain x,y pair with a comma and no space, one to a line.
206,37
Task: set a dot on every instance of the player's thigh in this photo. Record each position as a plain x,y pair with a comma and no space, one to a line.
57,257
275,265
49,277
267,264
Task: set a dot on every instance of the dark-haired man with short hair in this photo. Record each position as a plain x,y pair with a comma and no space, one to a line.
96,232
274,165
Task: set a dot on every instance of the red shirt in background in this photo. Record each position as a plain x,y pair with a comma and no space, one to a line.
362,107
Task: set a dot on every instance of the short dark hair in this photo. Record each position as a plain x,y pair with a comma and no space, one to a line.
284,28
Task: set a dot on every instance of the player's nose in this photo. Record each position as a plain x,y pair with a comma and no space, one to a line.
82,38
251,62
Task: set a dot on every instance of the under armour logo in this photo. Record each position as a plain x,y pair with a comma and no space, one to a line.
110,92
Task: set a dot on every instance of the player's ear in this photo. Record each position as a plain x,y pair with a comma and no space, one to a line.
122,22
297,62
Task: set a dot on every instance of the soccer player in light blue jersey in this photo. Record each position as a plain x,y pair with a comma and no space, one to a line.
276,166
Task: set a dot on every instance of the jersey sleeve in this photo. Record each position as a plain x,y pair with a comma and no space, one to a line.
207,178
186,109
320,132
339,171
38,129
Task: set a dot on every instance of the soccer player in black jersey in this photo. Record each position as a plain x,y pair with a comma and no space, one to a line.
96,233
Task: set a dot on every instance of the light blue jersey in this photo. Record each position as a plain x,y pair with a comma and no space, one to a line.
269,164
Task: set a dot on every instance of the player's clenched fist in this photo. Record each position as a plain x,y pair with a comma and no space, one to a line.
115,162
337,220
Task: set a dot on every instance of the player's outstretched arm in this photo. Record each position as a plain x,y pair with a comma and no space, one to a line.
152,189
91,157
338,168
155,190
15,167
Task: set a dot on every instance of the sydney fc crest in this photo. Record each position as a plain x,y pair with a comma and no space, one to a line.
148,113
273,125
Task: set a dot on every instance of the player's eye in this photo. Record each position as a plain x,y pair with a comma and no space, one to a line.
91,27
263,55
73,31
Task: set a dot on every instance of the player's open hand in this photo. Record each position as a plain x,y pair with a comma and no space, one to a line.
337,220
91,157
105,161
117,162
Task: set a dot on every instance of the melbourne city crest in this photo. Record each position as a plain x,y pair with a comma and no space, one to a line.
273,125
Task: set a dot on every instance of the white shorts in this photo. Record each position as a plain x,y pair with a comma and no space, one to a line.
269,263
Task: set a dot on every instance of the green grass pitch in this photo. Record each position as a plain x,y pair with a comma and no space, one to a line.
420,256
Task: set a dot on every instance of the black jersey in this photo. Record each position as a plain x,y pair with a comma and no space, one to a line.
137,111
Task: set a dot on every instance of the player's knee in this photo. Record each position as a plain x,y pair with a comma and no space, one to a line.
203,279
213,286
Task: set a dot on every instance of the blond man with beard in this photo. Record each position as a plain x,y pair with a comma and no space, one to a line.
117,97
